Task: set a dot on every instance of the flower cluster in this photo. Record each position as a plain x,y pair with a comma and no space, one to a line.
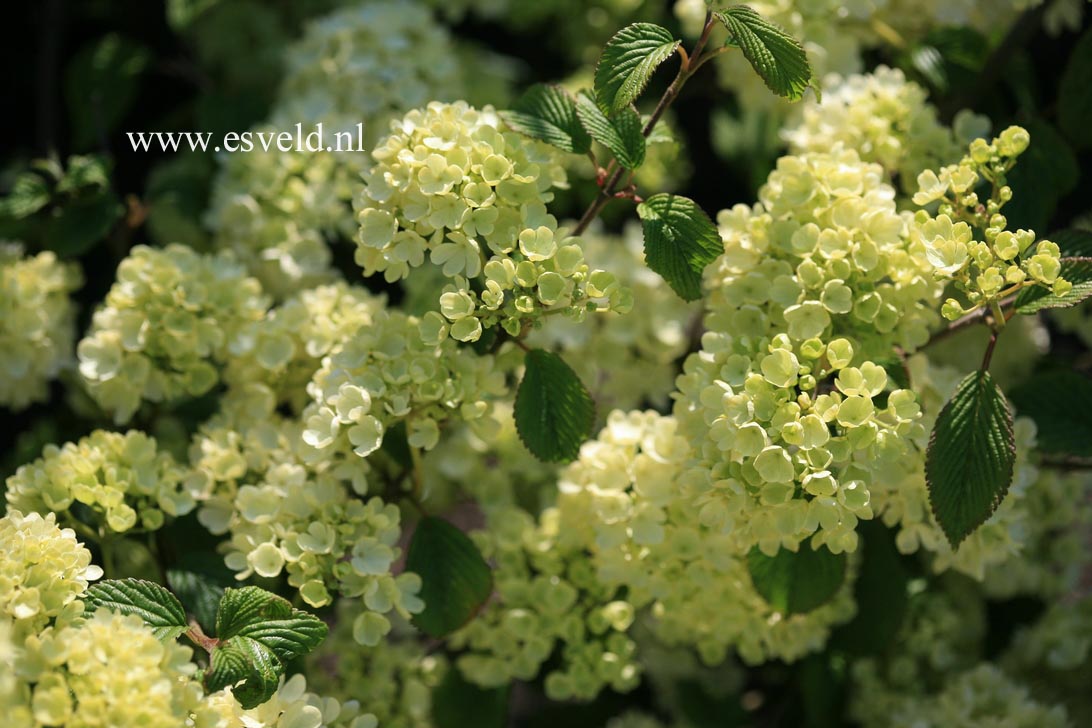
451,183
43,571
165,325
108,671
1003,261
547,596
290,509
292,706
122,479
790,400
37,323
387,372
285,349
622,502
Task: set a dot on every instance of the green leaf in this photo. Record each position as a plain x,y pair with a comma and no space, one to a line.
269,619
794,583
968,466
775,55
554,412
81,224
1060,402
199,579
247,666
621,134
1074,101
1073,242
880,592
30,193
455,580
627,63
101,86
547,112
1043,175
1077,271
680,240
159,609
457,703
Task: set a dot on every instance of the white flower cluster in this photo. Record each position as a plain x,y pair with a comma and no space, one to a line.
289,509
790,402
285,349
622,502
386,373
37,323
450,183
43,572
166,324
292,706
123,480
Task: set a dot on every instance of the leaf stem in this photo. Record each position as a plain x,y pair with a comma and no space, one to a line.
989,350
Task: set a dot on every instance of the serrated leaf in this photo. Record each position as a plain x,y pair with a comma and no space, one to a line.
455,580
968,466
29,193
794,583
548,113
159,609
777,57
1073,242
199,580
621,133
1077,271
248,667
1074,101
554,412
270,620
1060,403
628,62
680,240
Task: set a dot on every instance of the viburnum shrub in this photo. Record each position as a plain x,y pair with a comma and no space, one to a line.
392,438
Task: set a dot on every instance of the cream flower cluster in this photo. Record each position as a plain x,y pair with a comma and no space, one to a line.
124,480
289,509
285,349
43,571
292,706
789,401
108,671
625,361
393,680
386,373
450,183
547,597
37,323
1003,261
165,326
622,501
887,119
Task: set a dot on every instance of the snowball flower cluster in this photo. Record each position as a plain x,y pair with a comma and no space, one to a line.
292,706
285,348
997,262
43,571
789,400
37,323
388,373
108,671
165,326
123,479
288,509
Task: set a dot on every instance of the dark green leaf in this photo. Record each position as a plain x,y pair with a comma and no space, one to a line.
548,113
1073,242
680,240
1043,175
621,134
457,703
199,580
85,173
29,193
101,86
270,620
159,609
1060,402
775,55
554,412
1074,100
880,592
627,63
250,668
1077,271
968,466
83,223
794,583
455,580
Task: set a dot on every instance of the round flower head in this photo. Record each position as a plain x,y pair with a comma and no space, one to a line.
108,671
43,571
122,478
289,509
37,323
292,706
165,325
